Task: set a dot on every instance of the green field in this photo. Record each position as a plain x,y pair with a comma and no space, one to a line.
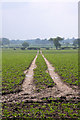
65,63
42,79
57,109
13,65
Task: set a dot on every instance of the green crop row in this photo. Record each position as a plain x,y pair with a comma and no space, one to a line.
49,107
42,79
55,109
65,63
13,66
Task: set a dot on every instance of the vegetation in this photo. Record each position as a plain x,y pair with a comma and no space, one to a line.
56,109
75,43
65,63
41,43
5,41
14,64
56,41
42,79
78,41
25,44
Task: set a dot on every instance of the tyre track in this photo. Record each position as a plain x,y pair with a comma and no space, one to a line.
62,89
27,86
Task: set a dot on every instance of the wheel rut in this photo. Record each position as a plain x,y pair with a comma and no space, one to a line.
61,88
28,88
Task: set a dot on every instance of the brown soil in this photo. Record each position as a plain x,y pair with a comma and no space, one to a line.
28,88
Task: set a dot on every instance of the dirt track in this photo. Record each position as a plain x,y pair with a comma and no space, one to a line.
28,93
62,89
27,86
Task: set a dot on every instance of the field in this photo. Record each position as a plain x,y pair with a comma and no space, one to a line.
42,79
65,63
13,66
57,109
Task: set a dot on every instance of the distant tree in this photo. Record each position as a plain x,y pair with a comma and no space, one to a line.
14,49
75,42
51,40
67,44
25,44
5,41
37,41
56,42
22,48
78,41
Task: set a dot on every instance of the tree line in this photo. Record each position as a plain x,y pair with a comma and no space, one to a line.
55,41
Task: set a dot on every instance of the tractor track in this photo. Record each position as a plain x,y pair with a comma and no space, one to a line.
28,88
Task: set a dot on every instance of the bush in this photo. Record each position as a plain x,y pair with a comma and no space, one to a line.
47,48
14,49
33,48
23,48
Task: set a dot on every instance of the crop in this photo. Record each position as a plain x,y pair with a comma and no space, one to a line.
42,79
55,109
13,66
65,63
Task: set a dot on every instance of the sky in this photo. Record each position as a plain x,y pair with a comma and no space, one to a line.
30,20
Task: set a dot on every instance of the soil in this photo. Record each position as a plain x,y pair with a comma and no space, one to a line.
61,88
28,88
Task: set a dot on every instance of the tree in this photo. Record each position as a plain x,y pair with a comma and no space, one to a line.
51,40
75,42
78,42
5,41
67,44
25,44
56,42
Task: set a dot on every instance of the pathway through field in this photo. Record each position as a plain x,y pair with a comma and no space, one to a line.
28,87
62,89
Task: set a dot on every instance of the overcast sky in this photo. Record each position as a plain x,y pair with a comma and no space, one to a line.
28,20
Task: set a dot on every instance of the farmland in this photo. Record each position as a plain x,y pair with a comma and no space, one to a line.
57,109
16,62
42,79
13,65
65,63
